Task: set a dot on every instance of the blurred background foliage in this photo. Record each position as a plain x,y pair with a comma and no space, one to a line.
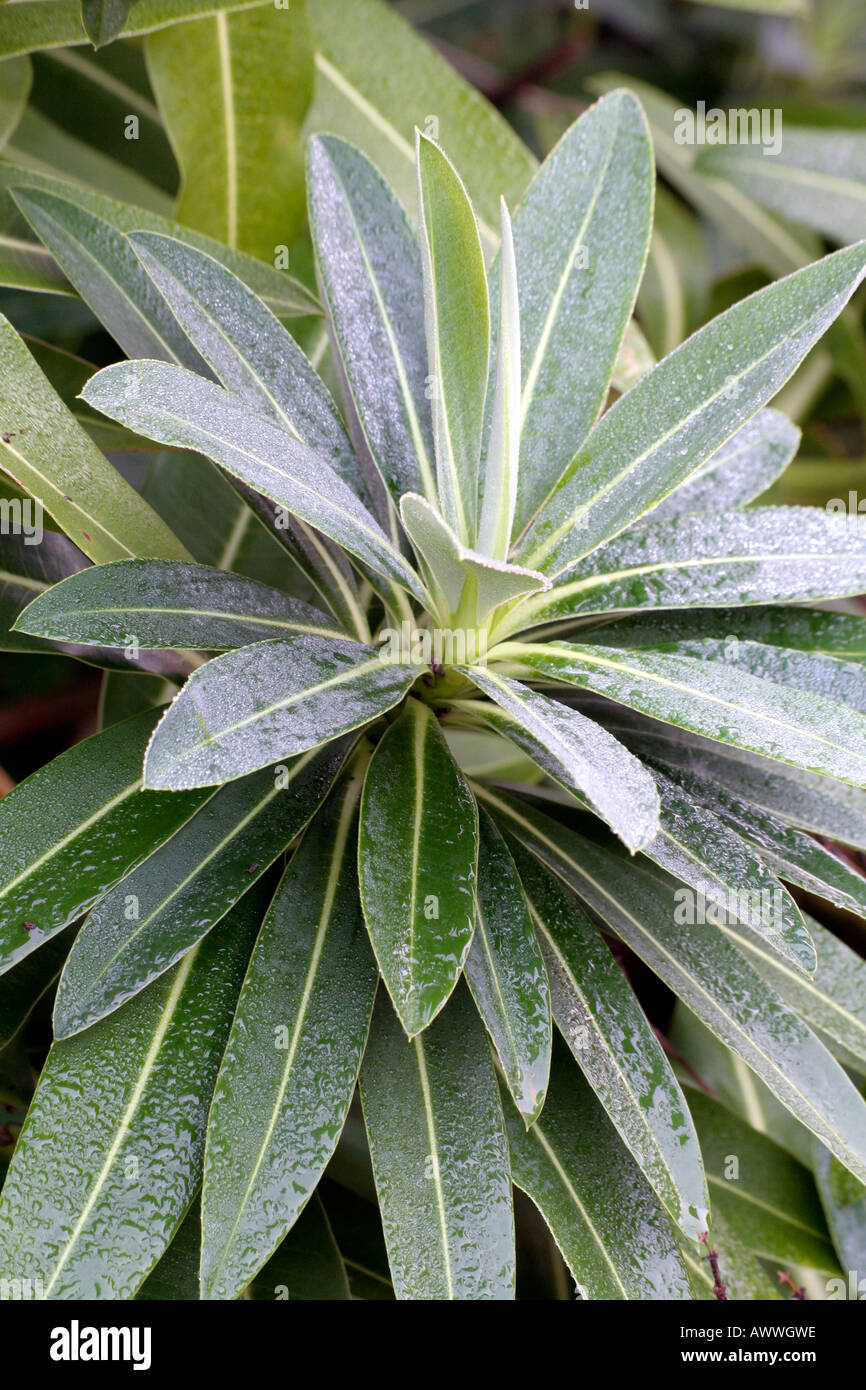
202,118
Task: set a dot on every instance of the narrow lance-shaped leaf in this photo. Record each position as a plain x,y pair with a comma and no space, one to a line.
613,1043
73,829
505,972
740,471
299,1032
244,710
179,408
580,239
763,555
129,1096
238,144
777,722
440,1158
686,408
377,78
247,348
161,603
49,455
181,891
457,317
307,1265
417,856
637,901
285,295
613,1233
107,274
772,1202
498,484
369,265
575,750
817,177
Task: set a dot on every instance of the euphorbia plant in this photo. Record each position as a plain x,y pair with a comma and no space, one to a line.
552,693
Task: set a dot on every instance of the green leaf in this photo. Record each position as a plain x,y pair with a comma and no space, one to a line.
22,987
595,1010
376,80
27,570
162,603
175,1278
181,409
575,750
245,710
505,972
293,1054
681,412
498,482
73,829
773,720
766,1197
117,1124
604,1216
286,296
831,1002
638,902
369,265
825,633
417,856
820,804
763,555
580,242
844,1202
700,850
104,19
58,22
468,585
673,295
247,348
60,466
457,317
307,1265
440,1158
162,909
108,276
740,471
818,177
16,75
233,91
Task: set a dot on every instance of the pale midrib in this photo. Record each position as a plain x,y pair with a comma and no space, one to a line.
801,981
419,743
433,1141
166,1016
618,1074
227,88
31,467
550,1153
353,95
337,856
378,538
656,945
290,624
351,673
551,541
556,300
669,684
426,471
740,1194
61,844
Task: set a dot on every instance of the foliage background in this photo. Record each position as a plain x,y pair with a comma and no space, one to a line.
65,112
